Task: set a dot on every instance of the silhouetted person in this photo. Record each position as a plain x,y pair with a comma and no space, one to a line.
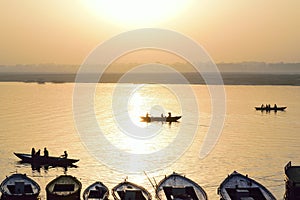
262,106
46,153
65,155
275,106
169,114
147,115
32,152
38,153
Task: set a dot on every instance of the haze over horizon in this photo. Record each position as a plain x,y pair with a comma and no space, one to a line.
230,31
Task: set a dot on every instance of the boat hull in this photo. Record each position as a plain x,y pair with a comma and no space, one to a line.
238,186
41,160
19,187
269,109
160,119
64,187
178,186
96,191
127,190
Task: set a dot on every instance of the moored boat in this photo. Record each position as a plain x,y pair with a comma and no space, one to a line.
130,191
292,182
64,187
176,186
42,160
237,186
19,186
96,191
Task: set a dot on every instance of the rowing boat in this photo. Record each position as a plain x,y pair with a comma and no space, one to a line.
42,160
96,191
130,191
19,187
160,119
64,187
271,108
238,186
176,186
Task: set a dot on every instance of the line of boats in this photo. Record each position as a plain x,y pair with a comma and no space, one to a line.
173,187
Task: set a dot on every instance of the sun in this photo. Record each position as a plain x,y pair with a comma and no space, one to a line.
136,12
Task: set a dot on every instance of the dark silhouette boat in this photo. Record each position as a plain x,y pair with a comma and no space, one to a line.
160,119
19,187
176,186
42,160
96,191
292,182
271,108
130,191
64,187
237,186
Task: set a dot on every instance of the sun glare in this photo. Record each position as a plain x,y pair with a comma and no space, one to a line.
136,12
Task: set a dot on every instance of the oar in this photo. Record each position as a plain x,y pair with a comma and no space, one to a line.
154,187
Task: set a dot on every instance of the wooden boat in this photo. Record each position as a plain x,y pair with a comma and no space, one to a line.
176,186
19,186
42,160
130,191
96,191
64,187
292,181
237,186
271,108
160,119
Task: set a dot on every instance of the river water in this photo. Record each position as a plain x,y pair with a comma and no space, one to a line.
112,144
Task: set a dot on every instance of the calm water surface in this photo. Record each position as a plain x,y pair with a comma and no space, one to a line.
254,143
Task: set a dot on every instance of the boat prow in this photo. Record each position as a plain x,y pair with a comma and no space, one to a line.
176,186
238,186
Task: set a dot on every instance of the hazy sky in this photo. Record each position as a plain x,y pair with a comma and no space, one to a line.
65,31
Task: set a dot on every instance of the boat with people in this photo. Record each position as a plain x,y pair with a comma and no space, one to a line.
162,118
176,186
19,187
292,181
130,191
269,108
237,186
46,160
96,191
64,187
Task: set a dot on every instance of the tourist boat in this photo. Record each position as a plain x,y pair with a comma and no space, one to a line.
64,187
176,186
42,160
130,191
292,182
238,186
96,191
271,108
19,186
160,119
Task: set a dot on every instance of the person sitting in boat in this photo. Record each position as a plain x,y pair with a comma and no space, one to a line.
147,115
275,106
65,155
46,153
262,106
38,153
32,152
169,114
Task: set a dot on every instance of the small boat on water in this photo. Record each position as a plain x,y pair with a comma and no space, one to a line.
271,108
42,160
96,191
64,187
176,186
130,191
292,182
237,186
160,119
19,186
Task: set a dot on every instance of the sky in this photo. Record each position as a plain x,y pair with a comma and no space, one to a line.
65,32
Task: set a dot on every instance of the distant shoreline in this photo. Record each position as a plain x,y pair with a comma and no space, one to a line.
192,78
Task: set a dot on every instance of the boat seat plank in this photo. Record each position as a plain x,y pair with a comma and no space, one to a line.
63,187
